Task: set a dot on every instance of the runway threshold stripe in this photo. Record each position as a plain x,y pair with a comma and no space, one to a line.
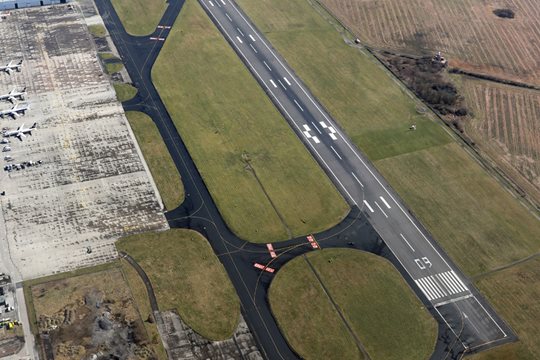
458,279
438,285
422,288
448,283
433,287
450,280
428,288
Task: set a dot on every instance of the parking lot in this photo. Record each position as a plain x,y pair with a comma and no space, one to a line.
88,184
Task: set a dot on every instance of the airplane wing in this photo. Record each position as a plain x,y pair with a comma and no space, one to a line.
11,99
20,136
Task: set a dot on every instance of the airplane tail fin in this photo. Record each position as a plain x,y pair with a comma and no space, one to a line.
20,62
34,126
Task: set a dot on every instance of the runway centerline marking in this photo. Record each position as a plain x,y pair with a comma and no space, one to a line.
211,3
357,179
280,83
335,151
253,48
240,31
269,68
240,40
403,237
380,208
384,201
297,104
228,17
273,83
287,81
223,2
369,206
316,128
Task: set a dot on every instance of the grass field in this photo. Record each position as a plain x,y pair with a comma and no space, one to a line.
157,157
125,92
140,297
514,293
468,211
113,67
97,30
188,277
140,17
505,125
383,312
265,183
466,31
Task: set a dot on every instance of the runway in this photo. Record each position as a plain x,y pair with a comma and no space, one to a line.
346,167
432,273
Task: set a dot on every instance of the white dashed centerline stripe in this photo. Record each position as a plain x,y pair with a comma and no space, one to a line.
211,3
297,104
251,37
240,31
357,179
228,17
316,128
269,68
273,83
253,48
223,2
380,208
339,156
368,206
384,201
240,40
351,199
403,237
280,83
287,81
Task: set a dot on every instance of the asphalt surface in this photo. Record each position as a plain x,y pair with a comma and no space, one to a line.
466,320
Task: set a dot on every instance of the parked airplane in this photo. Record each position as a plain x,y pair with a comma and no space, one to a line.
11,66
14,95
20,132
15,110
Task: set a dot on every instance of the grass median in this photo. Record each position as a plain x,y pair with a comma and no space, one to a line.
382,311
187,277
125,92
140,17
157,157
265,183
470,215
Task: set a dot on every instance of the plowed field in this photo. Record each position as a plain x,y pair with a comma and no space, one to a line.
504,125
466,31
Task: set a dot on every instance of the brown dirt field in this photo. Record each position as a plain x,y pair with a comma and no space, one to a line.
466,31
506,127
90,314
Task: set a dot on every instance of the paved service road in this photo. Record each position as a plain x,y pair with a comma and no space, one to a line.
435,276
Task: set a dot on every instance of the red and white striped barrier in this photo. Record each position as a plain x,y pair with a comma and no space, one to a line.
271,250
313,242
265,268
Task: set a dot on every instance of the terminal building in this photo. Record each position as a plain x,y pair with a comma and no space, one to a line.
19,4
